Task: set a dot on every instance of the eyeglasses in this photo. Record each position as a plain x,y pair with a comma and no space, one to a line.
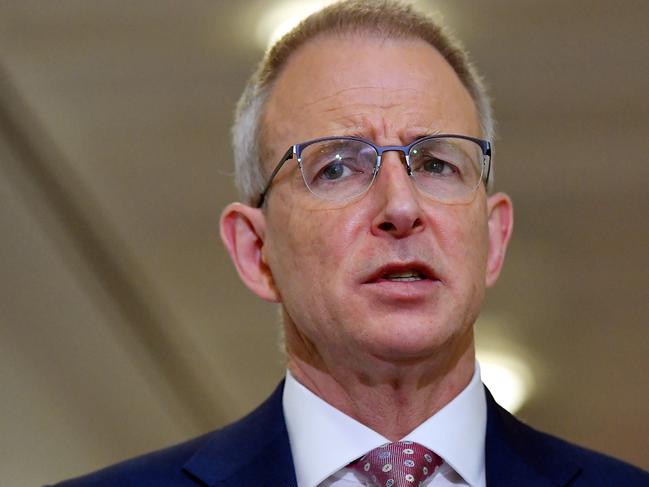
447,168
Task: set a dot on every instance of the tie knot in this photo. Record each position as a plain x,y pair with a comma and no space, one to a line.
401,464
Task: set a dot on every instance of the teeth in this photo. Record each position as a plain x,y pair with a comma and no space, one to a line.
404,276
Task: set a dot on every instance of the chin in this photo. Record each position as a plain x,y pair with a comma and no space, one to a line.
415,340
413,347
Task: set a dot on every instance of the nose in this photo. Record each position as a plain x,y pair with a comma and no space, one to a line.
400,213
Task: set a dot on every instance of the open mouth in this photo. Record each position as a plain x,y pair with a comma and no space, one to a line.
411,272
406,276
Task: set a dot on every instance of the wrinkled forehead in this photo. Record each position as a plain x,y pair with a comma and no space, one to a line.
356,84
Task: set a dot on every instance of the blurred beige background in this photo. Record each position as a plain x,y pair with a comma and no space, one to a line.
123,326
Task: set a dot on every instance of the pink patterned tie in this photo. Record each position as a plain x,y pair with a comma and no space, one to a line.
402,464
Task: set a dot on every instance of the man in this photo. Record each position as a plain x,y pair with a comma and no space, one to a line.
363,162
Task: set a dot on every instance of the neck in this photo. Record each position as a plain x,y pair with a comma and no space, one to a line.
392,398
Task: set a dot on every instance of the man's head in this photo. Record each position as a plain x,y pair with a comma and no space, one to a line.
393,275
379,19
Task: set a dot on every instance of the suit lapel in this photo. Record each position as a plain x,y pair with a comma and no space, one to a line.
252,451
519,455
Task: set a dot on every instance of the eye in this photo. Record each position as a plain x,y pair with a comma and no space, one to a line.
334,170
340,167
433,165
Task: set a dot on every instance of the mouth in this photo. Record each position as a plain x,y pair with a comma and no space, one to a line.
403,273
406,276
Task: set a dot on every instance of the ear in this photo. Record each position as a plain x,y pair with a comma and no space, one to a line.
500,226
243,231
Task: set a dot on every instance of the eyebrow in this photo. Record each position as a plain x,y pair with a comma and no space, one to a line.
420,133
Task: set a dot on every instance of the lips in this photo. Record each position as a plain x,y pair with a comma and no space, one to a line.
402,272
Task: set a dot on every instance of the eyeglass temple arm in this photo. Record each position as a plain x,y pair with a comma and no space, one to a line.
487,153
287,155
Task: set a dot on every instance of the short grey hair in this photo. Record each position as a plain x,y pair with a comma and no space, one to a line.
385,19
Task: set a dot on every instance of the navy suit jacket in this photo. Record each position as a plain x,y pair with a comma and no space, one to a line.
236,456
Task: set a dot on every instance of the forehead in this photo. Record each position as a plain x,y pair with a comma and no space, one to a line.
359,85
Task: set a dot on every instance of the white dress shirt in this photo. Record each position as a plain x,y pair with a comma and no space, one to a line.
324,440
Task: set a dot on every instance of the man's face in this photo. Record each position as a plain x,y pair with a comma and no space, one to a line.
340,271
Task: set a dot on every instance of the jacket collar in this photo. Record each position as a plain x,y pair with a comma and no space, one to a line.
253,451
516,452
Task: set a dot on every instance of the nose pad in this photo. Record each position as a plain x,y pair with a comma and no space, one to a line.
406,163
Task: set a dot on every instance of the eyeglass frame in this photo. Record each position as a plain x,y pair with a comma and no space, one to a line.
295,151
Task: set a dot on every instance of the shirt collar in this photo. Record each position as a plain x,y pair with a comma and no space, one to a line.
323,439
457,432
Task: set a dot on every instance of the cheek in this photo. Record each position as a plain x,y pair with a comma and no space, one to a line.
466,245
311,258
310,251
477,243
325,237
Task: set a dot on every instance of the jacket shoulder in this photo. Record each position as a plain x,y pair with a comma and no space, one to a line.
595,468
202,460
512,444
